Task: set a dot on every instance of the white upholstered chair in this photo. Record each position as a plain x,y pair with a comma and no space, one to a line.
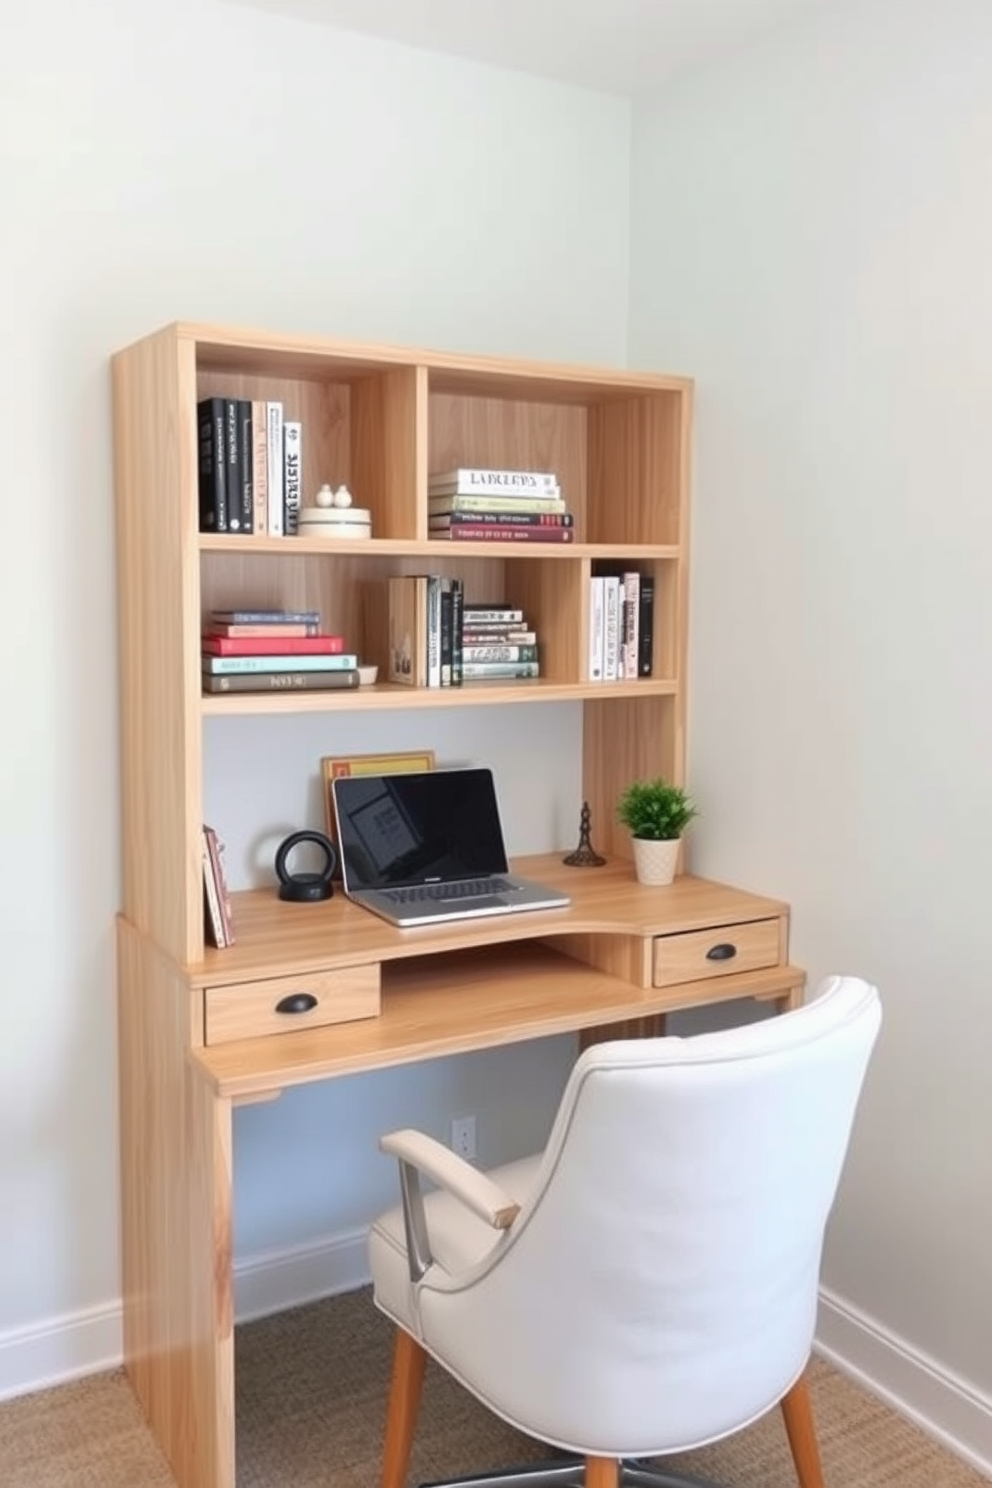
648,1283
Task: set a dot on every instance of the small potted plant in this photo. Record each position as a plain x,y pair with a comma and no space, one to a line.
656,814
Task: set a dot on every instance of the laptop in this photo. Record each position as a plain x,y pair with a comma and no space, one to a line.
427,848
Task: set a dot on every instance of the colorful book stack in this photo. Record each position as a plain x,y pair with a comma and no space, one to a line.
274,651
621,626
476,505
250,467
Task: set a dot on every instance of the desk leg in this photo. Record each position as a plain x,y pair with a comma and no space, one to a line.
785,1002
176,1223
650,1026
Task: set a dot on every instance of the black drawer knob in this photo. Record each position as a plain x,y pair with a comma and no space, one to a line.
725,951
297,1002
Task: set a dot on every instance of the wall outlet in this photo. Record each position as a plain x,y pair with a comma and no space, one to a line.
463,1136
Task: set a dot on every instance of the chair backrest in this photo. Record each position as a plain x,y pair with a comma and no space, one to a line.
658,1288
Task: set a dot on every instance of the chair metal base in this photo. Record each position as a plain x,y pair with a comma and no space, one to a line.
570,1473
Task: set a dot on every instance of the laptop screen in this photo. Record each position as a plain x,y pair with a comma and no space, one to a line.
434,826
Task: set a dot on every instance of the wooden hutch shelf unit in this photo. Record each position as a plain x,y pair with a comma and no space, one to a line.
199,1028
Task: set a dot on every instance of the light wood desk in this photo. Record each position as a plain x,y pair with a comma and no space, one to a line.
197,1039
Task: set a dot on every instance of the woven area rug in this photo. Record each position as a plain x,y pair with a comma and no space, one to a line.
311,1400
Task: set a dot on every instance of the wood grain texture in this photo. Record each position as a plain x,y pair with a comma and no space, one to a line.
251,1009
157,510
633,736
518,992
175,1137
278,938
687,957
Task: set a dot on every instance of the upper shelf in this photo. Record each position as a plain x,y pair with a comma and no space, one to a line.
388,547
395,695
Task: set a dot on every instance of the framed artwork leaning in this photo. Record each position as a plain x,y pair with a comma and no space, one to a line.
367,764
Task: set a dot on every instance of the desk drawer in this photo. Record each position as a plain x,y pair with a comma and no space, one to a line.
712,953
283,1004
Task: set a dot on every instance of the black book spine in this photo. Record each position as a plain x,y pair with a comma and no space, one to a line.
457,626
232,463
246,464
645,633
447,649
212,466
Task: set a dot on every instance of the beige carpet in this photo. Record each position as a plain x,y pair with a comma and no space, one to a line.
311,1397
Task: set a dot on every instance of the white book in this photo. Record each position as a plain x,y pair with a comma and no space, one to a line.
597,627
292,443
433,630
275,497
611,632
259,467
631,622
471,480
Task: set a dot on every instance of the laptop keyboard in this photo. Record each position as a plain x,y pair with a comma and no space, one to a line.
471,888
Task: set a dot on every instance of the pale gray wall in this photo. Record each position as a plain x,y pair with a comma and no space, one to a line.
187,159
812,239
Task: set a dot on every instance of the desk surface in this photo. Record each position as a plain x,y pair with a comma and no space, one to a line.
454,988
275,938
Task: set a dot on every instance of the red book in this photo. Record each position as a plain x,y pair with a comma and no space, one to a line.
324,645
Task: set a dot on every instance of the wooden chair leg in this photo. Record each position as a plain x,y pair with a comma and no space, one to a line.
602,1472
409,1364
800,1427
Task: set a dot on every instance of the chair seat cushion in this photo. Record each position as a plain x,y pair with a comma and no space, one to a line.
459,1241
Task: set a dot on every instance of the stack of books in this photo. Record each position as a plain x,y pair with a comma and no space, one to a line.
476,505
273,651
498,644
621,626
250,467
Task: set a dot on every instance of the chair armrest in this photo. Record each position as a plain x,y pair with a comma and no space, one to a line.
418,1153
444,1167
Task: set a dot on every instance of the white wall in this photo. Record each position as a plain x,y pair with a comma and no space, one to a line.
812,238
189,159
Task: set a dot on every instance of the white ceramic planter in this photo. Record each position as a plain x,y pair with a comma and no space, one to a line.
654,862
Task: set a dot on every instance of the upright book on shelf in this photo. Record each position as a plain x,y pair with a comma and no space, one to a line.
218,900
645,627
232,464
260,466
292,435
407,611
275,471
211,426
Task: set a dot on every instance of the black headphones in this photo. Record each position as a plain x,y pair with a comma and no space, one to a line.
306,888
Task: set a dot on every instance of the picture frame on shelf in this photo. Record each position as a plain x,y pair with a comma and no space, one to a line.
396,763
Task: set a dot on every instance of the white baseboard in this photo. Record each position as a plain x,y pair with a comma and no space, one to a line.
62,1349
940,1403
91,1340
275,1280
